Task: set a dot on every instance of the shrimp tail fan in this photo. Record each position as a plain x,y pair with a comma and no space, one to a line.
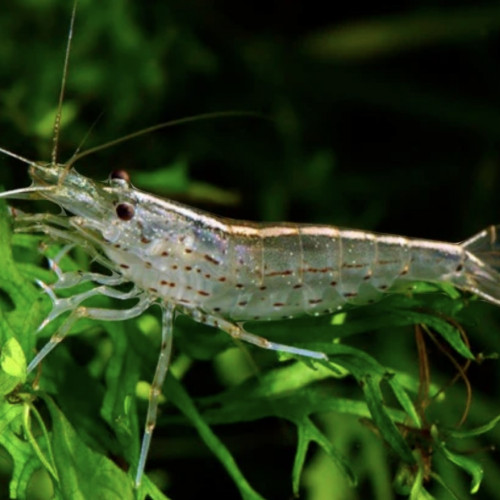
482,264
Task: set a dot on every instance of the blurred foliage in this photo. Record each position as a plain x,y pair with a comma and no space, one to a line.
383,117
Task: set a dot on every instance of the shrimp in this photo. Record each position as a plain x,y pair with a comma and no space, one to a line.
222,272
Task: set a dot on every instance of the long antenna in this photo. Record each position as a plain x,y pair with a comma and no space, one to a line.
188,119
57,121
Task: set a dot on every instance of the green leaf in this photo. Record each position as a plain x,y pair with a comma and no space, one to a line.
467,464
181,399
75,463
12,365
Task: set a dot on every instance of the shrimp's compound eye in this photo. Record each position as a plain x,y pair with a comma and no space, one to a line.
119,177
125,211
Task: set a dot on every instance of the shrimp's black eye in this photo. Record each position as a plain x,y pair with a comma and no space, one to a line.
125,211
119,175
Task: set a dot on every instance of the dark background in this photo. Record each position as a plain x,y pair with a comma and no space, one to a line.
382,117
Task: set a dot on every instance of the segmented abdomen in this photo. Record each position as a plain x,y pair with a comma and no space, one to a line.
249,271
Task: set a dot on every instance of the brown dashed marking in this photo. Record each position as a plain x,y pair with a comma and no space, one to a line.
185,301
279,273
297,286
242,303
383,287
124,266
367,276
154,290
145,240
202,292
384,262
315,301
317,269
171,285
352,266
239,285
163,282
211,259
222,279
208,276
188,268
278,304
350,294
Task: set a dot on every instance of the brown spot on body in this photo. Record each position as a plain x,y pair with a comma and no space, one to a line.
216,309
383,287
404,271
164,253
124,266
203,293
239,285
145,240
278,304
117,245
263,287
154,290
185,301
175,267
242,303
368,276
171,285
333,283
208,276
297,286
222,279
163,282
148,265
188,250
188,268
350,294
459,268
211,259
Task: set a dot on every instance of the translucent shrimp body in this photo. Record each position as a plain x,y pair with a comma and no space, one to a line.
242,270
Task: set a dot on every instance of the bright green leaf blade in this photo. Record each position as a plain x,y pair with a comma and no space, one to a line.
182,400
76,463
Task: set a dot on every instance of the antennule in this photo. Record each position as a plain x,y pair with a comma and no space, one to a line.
16,156
57,121
180,121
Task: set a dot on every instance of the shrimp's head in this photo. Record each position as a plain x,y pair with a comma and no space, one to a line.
72,191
